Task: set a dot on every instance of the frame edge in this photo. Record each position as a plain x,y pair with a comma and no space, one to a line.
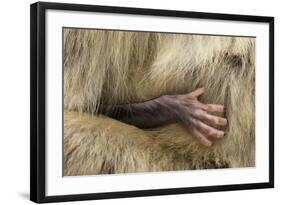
37,103
271,101
33,103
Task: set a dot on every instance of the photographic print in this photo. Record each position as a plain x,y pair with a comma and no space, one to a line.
131,102
148,101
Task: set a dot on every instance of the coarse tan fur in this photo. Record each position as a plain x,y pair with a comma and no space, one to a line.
106,68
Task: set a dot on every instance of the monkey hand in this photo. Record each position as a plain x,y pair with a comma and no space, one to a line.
195,115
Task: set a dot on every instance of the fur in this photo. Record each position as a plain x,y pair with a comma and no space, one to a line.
106,68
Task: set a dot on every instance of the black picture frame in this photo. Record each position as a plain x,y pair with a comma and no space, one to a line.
38,103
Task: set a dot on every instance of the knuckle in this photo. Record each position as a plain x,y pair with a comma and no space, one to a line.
192,121
197,112
222,122
205,130
216,121
210,107
188,96
211,133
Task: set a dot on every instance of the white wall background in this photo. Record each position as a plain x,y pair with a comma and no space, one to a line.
14,102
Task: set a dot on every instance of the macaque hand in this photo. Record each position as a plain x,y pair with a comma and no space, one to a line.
195,115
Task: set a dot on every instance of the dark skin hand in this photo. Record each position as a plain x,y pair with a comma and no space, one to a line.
186,109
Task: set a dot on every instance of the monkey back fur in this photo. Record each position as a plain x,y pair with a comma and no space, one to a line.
106,68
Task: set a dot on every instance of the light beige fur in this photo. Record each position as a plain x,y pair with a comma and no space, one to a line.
105,68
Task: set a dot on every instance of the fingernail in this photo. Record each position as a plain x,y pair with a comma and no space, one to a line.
221,134
206,143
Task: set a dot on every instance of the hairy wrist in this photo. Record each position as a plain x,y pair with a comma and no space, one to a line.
167,105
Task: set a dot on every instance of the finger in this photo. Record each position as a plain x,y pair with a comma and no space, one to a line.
203,140
213,108
196,93
212,120
207,130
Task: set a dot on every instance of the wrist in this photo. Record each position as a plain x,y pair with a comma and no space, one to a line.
166,105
